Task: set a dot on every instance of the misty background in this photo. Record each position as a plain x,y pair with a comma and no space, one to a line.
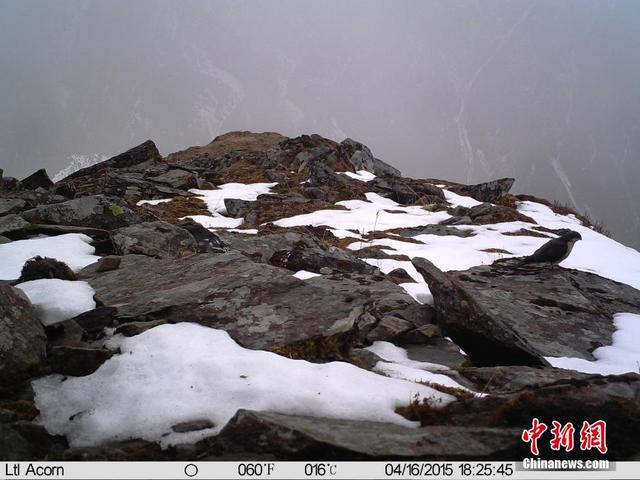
547,92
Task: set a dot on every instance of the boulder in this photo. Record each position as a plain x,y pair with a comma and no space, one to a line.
22,340
176,178
155,239
259,305
76,361
314,260
505,316
307,438
361,158
613,399
11,205
105,177
13,226
38,179
96,211
486,213
238,208
489,192
406,191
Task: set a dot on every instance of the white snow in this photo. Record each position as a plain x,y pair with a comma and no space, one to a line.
183,372
245,231
367,216
622,356
459,200
362,175
215,198
419,291
304,274
74,249
216,221
58,300
154,202
460,253
595,253
215,202
397,364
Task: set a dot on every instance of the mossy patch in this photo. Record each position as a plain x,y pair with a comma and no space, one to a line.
317,349
23,409
496,250
177,208
116,210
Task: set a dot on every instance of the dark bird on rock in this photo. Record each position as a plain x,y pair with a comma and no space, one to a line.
554,251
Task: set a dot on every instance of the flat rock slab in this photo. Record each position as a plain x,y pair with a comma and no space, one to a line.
97,211
505,316
296,437
259,305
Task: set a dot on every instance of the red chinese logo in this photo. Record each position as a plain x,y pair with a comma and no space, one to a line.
592,435
532,435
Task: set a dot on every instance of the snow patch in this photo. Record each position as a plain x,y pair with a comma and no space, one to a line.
74,249
183,372
362,175
622,356
58,300
154,202
459,200
215,198
397,364
304,274
375,214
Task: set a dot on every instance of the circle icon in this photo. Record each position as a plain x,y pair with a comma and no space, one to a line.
191,470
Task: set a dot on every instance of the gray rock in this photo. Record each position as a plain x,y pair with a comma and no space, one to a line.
505,316
11,205
76,361
319,261
176,178
38,179
4,240
192,426
389,328
485,192
259,305
296,437
22,339
13,447
96,211
361,158
236,207
13,225
514,378
155,239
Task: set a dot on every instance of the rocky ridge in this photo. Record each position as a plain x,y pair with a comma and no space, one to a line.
283,272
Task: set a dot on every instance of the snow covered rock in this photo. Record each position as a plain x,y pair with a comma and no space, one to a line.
22,339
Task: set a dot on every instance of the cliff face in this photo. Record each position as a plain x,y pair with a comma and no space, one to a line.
179,300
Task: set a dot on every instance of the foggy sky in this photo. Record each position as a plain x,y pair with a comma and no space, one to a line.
544,91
